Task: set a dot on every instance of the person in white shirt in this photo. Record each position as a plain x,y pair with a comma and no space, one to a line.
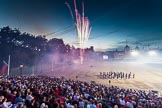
122,101
129,104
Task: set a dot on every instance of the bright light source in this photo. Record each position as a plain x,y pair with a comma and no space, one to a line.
152,53
134,53
105,57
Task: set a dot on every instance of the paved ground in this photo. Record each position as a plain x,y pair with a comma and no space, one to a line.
147,76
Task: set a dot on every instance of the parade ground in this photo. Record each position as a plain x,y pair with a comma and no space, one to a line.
147,75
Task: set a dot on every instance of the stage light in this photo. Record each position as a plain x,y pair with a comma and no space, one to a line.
134,53
105,57
152,53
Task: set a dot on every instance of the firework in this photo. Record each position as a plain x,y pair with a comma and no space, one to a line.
82,27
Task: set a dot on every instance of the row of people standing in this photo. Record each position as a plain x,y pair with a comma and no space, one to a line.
116,75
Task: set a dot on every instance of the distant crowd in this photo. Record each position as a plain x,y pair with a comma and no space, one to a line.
47,92
116,75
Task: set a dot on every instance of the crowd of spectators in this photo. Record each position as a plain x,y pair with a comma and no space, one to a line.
47,92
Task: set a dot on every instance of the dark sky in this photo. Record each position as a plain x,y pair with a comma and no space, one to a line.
112,21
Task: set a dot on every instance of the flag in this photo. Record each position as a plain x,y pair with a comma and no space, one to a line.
4,67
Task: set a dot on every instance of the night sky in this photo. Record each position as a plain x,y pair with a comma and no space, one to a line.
113,21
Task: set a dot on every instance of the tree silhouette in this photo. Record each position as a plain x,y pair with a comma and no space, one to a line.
26,48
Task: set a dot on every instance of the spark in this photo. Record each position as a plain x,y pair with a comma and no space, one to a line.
83,28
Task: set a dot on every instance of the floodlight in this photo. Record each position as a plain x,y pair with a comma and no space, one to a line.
152,53
134,53
105,57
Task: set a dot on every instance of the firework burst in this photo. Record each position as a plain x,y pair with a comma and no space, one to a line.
82,27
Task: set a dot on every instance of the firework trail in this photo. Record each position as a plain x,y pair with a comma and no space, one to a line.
82,27
67,4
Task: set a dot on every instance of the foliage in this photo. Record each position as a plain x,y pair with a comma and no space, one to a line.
25,48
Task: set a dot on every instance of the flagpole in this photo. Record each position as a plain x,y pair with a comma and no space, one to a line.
52,65
8,65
